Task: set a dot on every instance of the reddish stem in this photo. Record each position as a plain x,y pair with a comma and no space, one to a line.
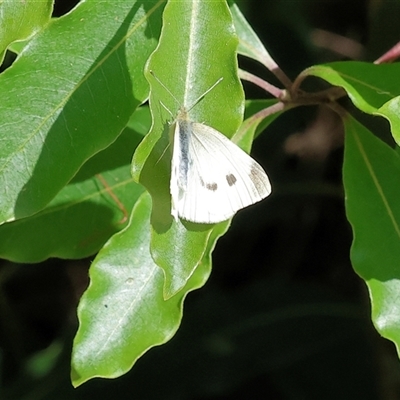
247,76
389,56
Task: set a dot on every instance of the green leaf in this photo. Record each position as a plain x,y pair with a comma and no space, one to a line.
197,47
83,215
140,120
19,20
249,43
123,312
372,182
374,89
69,95
17,47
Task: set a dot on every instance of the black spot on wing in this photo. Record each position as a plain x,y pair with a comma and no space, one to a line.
231,179
213,186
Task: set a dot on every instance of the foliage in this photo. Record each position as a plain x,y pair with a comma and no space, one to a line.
72,116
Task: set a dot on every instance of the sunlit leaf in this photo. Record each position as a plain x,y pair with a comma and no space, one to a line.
249,43
372,183
83,215
20,20
201,39
66,97
374,89
123,313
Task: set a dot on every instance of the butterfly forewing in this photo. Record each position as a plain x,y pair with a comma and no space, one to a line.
212,178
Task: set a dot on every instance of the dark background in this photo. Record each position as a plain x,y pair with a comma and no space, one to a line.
283,316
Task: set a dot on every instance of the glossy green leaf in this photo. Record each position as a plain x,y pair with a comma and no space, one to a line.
69,95
123,313
249,43
83,215
17,47
20,20
372,182
197,47
374,89
140,120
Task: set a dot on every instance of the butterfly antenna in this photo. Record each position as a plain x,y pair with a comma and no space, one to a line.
204,94
170,93
162,154
166,108
177,101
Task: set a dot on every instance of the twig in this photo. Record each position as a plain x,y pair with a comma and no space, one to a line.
247,76
115,198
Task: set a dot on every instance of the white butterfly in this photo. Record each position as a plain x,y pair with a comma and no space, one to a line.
211,177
